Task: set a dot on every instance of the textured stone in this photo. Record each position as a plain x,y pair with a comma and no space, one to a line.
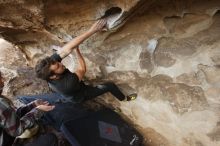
153,138
211,74
19,78
215,134
166,51
190,79
27,84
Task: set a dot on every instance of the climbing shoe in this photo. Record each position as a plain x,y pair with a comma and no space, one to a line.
117,110
131,97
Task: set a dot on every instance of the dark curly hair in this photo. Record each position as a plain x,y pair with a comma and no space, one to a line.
42,68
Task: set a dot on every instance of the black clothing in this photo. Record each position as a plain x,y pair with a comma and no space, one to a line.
92,92
69,85
47,139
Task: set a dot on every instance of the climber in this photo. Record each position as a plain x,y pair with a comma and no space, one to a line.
70,84
14,122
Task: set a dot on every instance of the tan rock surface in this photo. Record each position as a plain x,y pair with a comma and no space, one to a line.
167,51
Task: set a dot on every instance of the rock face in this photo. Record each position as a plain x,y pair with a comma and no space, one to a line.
167,51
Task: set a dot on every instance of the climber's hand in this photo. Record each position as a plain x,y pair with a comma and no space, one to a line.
45,107
40,102
98,25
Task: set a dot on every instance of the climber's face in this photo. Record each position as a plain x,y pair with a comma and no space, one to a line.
57,68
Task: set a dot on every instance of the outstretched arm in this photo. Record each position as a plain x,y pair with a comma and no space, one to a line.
68,48
21,111
81,70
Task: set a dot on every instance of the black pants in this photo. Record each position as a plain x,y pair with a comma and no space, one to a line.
91,92
86,93
48,139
